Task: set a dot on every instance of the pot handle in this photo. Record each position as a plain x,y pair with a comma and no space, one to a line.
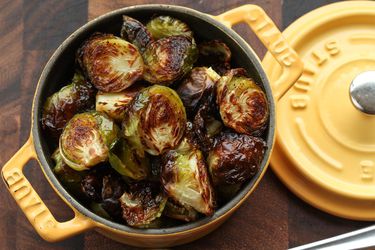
33,207
272,39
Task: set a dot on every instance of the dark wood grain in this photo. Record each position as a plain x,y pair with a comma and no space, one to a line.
272,218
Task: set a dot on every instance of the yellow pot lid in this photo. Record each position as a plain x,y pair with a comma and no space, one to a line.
325,146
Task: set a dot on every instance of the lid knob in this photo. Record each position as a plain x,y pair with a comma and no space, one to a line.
362,92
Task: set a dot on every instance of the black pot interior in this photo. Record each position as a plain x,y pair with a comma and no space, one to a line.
59,70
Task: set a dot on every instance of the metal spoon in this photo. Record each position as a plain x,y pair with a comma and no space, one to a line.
359,239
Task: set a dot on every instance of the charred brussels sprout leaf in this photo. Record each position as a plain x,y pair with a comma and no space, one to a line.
111,63
235,158
166,26
114,104
243,104
215,54
168,59
135,32
62,105
206,123
185,179
178,212
142,204
194,87
87,139
127,162
155,120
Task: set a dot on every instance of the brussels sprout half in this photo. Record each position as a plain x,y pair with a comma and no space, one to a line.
111,63
64,104
127,162
214,51
166,26
185,179
87,139
168,59
235,158
114,104
135,32
142,204
243,104
215,54
193,88
155,120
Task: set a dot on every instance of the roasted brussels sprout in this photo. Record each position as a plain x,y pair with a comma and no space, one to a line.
142,204
178,212
114,104
168,59
62,105
215,54
166,26
235,158
87,139
104,188
243,104
70,178
155,120
195,86
135,32
127,162
185,179
111,63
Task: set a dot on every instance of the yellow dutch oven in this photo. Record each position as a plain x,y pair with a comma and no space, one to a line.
59,68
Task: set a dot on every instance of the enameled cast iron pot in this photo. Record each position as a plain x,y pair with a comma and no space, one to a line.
59,69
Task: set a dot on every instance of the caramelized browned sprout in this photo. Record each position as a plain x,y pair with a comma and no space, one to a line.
215,54
64,104
178,212
127,162
104,188
111,63
235,158
243,104
195,86
165,26
87,139
168,59
185,179
135,32
114,104
142,204
155,120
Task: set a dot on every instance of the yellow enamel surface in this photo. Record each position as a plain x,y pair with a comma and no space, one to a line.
29,201
272,39
325,147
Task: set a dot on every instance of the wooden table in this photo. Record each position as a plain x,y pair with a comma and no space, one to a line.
272,218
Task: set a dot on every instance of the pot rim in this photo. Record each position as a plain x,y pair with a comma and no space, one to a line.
220,213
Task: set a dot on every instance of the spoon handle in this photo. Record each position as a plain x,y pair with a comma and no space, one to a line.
359,239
